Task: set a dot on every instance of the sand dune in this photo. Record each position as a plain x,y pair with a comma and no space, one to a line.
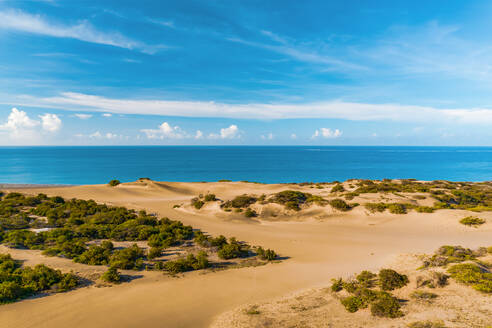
319,247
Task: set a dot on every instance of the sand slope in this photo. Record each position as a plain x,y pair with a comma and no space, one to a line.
318,250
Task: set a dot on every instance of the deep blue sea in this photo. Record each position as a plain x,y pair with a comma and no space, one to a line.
94,165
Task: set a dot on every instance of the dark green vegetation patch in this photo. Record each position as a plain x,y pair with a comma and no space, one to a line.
81,230
363,294
18,282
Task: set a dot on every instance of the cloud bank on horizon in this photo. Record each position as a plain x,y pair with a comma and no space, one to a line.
197,72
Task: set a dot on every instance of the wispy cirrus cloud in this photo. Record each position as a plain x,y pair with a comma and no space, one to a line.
301,54
83,30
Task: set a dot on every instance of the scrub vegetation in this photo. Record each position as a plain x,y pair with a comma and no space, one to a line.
18,282
372,290
85,232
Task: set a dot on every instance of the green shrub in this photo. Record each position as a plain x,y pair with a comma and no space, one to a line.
423,295
18,282
449,254
387,306
489,249
210,198
114,183
240,201
95,255
424,209
233,249
128,258
111,275
471,274
390,279
154,252
197,203
337,285
266,254
289,196
353,303
191,262
427,324
375,207
472,221
340,204
397,208
338,188
366,279
250,213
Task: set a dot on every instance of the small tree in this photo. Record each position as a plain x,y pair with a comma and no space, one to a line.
390,279
114,183
111,275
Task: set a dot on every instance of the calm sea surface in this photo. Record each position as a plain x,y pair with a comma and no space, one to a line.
93,165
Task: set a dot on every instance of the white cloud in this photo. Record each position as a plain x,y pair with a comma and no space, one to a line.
111,135
165,131
166,23
107,115
226,133
96,134
328,109
293,136
51,122
230,132
83,116
17,120
83,30
300,53
199,134
269,136
327,133
20,128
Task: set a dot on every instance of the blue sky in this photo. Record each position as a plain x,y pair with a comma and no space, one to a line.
245,72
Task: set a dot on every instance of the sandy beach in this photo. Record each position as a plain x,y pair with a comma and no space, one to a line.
317,244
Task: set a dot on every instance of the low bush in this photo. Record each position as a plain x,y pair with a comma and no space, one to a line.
128,258
154,252
18,282
233,249
473,275
423,296
266,254
189,263
353,303
210,198
390,279
424,209
111,275
250,213
197,203
450,254
95,255
340,204
375,207
397,208
427,324
337,188
366,279
472,221
241,201
114,183
387,306
337,285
